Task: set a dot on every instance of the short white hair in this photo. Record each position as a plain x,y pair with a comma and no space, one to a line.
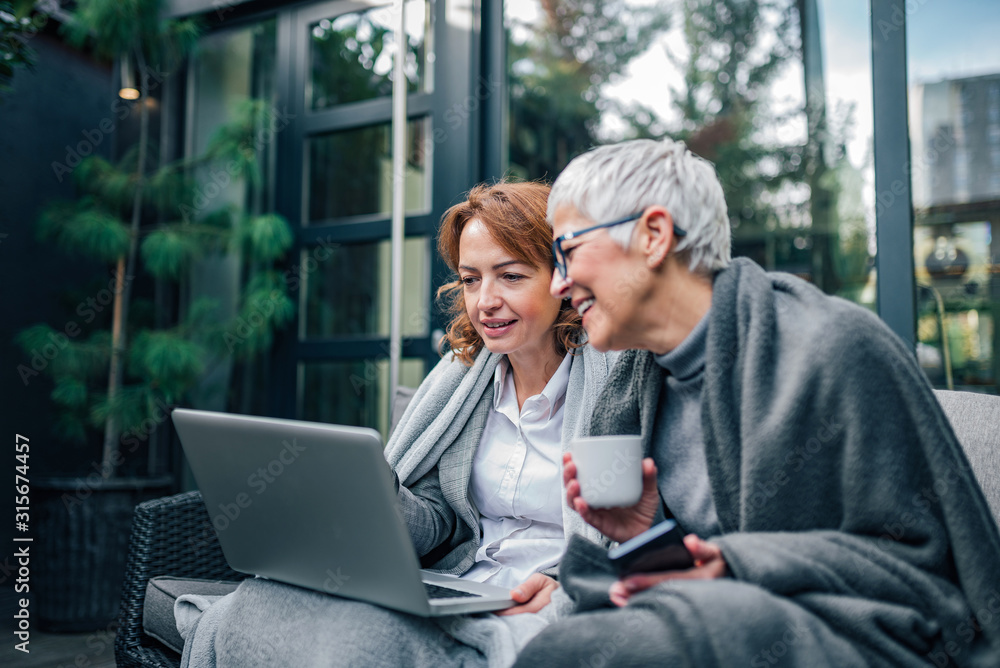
612,182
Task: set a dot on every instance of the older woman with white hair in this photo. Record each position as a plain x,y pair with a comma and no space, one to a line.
791,435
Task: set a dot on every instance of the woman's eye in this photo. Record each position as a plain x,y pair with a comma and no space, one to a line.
568,252
513,277
469,280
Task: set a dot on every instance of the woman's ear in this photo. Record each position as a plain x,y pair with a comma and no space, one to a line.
657,235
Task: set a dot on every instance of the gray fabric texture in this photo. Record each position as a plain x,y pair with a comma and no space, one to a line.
452,405
845,502
976,421
199,639
158,618
677,445
309,629
188,609
433,449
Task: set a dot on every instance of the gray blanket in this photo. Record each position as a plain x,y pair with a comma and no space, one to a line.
854,531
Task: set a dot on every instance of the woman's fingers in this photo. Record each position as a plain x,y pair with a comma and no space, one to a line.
709,564
532,595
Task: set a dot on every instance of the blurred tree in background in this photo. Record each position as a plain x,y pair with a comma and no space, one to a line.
782,163
141,217
556,74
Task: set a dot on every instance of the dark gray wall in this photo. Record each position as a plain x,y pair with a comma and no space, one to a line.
59,106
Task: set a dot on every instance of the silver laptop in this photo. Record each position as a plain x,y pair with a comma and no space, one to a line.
314,505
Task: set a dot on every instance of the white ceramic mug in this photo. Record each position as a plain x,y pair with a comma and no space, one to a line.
609,469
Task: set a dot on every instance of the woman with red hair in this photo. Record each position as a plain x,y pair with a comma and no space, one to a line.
478,460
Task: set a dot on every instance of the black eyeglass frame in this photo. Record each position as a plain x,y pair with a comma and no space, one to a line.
559,256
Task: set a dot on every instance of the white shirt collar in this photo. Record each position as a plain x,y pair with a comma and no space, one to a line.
551,395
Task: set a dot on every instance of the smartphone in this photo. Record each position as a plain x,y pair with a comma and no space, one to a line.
659,548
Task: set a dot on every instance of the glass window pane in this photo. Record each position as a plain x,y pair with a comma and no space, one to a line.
351,55
350,172
953,61
777,95
229,69
354,392
346,289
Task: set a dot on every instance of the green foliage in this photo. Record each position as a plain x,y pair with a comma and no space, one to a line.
347,54
132,28
131,405
70,392
155,220
267,238
86,228
19,22
113,185
171,362
266,308
168,251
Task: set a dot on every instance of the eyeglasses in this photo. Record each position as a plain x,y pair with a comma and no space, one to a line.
561,259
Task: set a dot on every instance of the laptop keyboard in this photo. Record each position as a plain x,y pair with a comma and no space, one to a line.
434,591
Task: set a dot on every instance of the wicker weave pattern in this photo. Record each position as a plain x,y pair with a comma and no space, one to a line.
170,536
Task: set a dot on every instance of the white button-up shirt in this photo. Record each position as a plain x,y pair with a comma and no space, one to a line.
517,481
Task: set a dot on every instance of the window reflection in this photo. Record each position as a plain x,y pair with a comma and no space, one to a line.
954,103
354,392
346,290
350,171
351,55
229,69
776,94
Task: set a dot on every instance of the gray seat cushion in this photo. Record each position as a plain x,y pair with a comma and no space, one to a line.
158,609
976,421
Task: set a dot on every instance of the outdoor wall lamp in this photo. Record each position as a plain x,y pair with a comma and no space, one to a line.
128,90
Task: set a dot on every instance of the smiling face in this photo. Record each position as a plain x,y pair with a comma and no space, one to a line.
604,282
506,298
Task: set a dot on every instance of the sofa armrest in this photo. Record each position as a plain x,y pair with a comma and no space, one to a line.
170,536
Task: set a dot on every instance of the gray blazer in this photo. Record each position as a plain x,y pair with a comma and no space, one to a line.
443,520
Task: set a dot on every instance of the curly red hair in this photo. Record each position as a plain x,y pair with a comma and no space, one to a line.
514,215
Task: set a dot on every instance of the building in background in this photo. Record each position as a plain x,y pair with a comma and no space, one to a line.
955,134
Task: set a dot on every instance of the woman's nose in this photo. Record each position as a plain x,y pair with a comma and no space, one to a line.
489,296
559,287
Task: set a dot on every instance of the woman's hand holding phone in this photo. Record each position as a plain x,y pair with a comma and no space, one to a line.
708,564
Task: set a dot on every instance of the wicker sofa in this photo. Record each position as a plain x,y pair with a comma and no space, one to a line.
174,535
